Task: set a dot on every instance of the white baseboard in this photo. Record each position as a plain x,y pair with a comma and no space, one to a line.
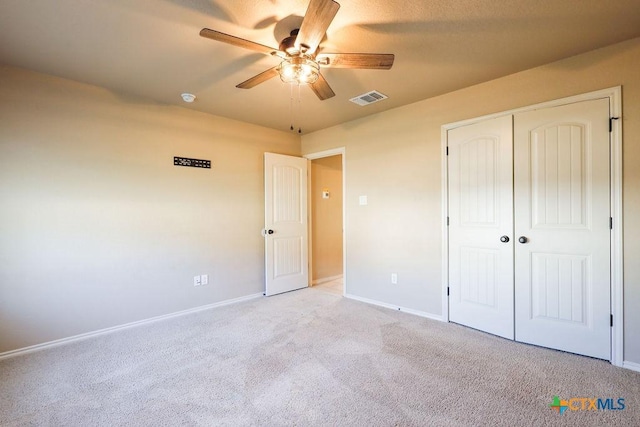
80,337
395,307
326,279
631,365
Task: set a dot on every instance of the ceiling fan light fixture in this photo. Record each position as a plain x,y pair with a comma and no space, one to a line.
299,50
299,70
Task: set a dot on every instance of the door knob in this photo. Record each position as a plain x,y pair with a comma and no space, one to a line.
269,231
504,239
523,239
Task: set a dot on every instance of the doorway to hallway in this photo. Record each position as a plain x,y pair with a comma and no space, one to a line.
326,218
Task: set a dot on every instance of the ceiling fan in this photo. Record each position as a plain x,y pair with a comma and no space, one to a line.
301,59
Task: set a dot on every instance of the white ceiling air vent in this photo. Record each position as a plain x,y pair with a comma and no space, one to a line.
368,98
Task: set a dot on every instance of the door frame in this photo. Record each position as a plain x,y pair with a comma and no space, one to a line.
614,95
319,155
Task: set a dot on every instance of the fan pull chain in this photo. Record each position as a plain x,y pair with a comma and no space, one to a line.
299,108
291,104
295,112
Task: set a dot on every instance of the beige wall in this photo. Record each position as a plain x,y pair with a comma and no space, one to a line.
394,158
326,217
98,228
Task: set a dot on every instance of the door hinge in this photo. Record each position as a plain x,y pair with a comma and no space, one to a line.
447,150
611,119
610,223
611,321
447,291
447,221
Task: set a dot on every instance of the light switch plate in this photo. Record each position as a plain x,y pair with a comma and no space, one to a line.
204,279
363,200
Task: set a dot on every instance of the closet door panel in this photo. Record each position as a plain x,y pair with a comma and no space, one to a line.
480,213
562,270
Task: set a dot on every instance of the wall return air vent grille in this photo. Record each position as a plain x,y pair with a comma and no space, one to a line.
368,98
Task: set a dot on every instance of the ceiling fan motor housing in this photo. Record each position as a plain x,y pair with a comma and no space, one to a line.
289,46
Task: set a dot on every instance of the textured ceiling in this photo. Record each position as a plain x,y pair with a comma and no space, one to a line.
151,48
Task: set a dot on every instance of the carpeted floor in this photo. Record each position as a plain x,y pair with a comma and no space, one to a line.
307,358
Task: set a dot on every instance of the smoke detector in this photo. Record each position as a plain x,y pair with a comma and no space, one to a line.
188,97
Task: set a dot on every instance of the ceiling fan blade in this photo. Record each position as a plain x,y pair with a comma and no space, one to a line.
373,61
236,41
260,78
319,15
322,89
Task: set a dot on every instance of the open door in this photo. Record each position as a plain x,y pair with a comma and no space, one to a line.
285,221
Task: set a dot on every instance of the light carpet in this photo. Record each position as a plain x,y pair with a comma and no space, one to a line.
307,358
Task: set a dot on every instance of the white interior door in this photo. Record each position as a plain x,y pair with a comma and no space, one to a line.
480,168
286,250
562,271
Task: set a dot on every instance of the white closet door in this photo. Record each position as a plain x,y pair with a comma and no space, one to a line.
480,213
562,270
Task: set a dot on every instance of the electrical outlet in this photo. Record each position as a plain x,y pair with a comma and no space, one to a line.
196,281
394,279
204,279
